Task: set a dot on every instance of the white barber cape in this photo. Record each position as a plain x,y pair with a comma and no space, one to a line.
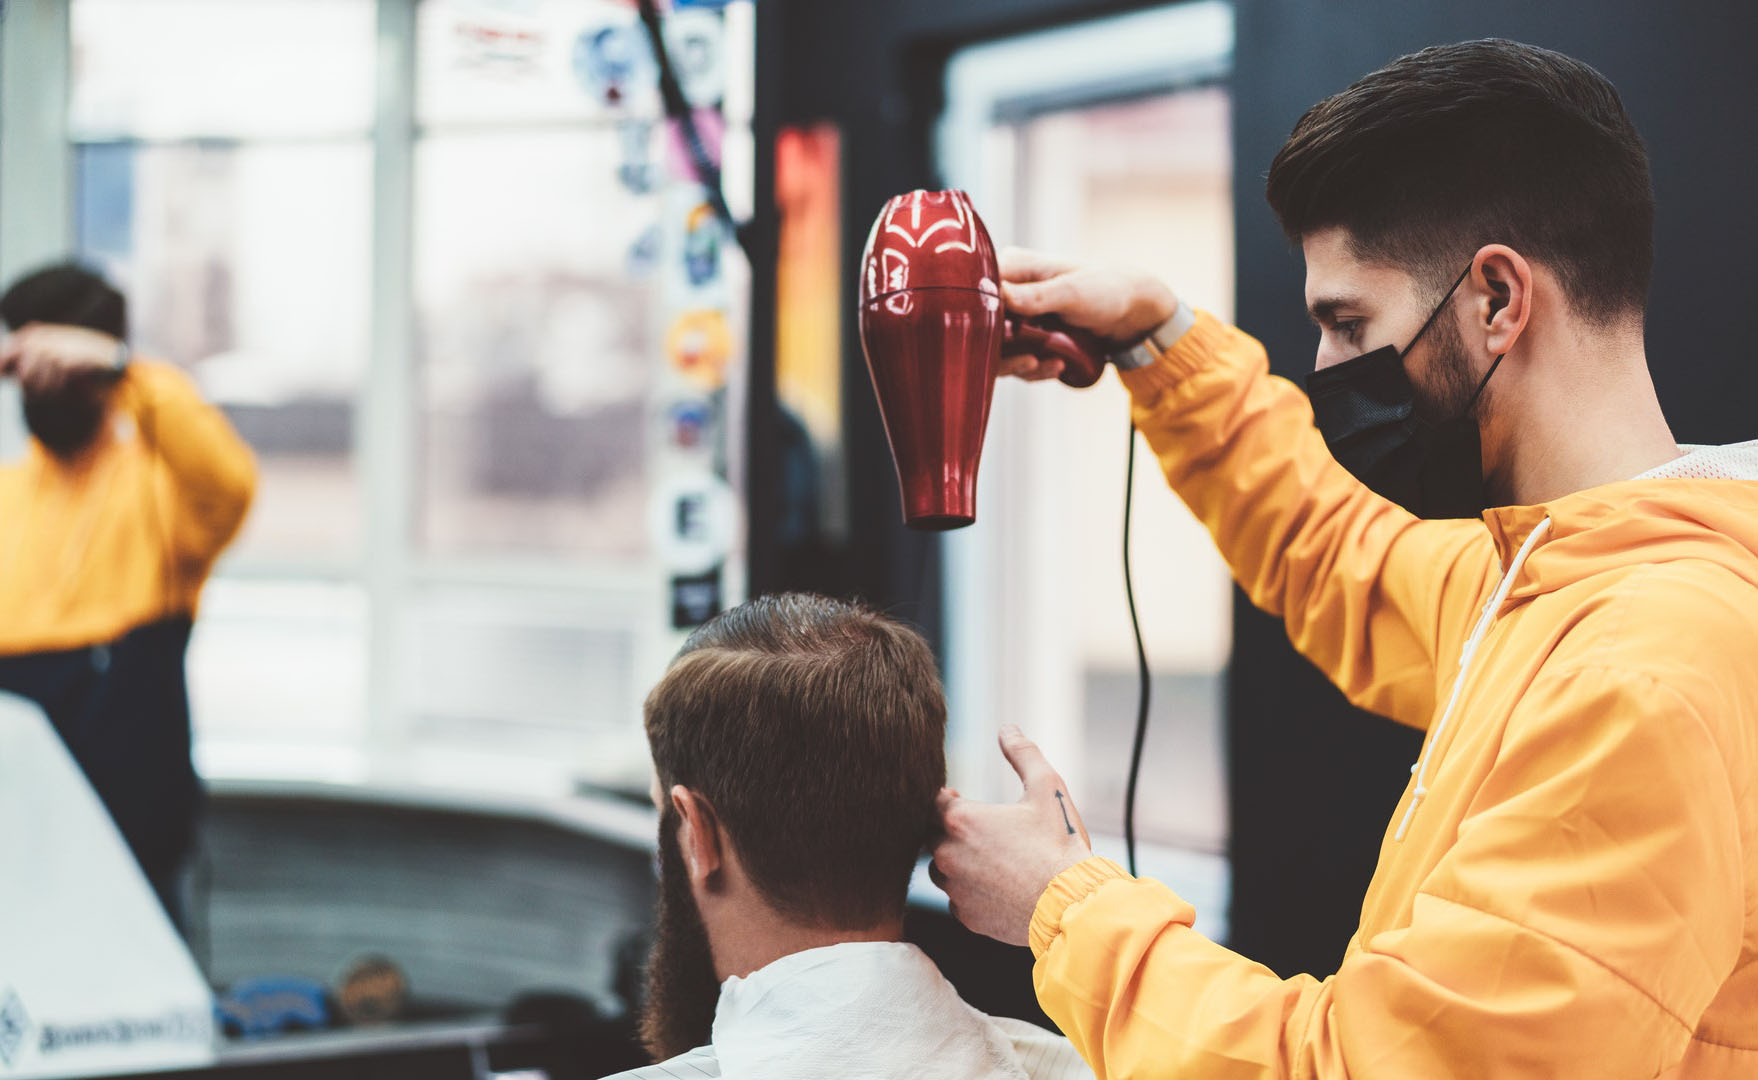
863,1011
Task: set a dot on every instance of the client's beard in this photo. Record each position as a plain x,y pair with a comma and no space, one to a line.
677,1014
66,420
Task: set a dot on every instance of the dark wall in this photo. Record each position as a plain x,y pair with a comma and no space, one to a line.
1313,782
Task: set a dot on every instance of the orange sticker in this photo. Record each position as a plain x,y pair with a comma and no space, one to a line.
700,345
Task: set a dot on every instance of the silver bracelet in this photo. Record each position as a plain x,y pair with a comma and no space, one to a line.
1163,337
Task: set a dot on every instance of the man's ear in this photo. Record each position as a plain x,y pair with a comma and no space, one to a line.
1501,280
699,837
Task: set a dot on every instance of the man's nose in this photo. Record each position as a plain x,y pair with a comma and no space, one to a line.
1328,356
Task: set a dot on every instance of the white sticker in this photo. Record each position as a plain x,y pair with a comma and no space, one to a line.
693,41
694,520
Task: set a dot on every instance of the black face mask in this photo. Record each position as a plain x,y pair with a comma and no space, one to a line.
67,419
1366,410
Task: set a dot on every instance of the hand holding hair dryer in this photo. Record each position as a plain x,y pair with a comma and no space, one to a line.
934,332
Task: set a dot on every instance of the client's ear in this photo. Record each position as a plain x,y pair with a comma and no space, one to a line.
699,837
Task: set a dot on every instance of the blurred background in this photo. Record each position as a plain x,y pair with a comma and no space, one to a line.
528,405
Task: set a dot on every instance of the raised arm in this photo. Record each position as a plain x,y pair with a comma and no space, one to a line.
1369,593
211,472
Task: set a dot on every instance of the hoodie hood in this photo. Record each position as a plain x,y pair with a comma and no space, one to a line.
856,1011
1702,507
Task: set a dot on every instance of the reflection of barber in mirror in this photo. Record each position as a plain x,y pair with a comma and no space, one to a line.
130,487
1503,546
798,745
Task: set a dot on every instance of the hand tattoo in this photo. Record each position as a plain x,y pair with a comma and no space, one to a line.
1064,806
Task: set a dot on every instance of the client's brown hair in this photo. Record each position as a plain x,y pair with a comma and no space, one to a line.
815,729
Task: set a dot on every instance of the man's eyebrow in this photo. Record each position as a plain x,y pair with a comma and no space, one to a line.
1323,310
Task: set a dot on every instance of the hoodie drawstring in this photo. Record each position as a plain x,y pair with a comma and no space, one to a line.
1477,635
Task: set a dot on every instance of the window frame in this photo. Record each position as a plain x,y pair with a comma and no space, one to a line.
37,206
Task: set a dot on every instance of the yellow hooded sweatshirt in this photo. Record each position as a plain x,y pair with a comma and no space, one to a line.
125,534
1569,886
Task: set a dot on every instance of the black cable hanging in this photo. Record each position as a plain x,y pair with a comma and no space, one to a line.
1141,657
677,108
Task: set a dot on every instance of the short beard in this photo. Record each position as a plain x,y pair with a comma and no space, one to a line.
677,1014
1446,393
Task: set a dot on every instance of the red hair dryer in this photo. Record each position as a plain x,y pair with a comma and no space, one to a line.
934,333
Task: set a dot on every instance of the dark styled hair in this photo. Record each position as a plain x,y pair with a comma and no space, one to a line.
815,730
1445,150
68,294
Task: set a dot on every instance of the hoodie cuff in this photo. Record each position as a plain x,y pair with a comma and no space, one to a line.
1194,351
1066,889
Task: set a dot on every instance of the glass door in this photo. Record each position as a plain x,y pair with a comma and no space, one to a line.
1115,149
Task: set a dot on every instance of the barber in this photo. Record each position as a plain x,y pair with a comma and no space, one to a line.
129,489
1569,884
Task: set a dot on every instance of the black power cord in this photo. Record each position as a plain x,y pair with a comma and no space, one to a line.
677,107
1141,657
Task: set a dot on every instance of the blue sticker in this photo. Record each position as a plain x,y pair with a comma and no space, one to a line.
643,254
688,423
611,60
702,245
638,172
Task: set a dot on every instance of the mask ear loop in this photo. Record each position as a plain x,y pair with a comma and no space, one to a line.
1492,370
1436,313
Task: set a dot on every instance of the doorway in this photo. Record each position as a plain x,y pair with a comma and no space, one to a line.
1106,141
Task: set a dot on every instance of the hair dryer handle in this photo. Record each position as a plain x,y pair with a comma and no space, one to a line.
1082,352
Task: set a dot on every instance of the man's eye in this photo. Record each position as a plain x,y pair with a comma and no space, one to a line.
1350,329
